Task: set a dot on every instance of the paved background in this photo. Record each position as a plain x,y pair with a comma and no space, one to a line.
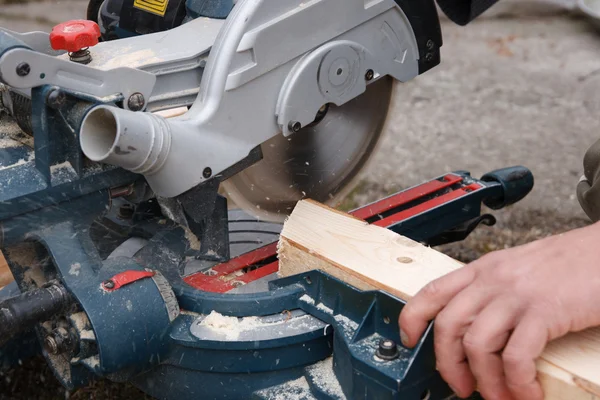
509,91
519,86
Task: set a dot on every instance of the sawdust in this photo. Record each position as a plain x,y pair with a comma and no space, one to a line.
64,165
25,255
324,308
62,366
307,299
62,173
21,161
297,389
92,362
80,320
7,143
231,327
323,376
87,334
192,239
126,58
11,135
75,269
34,276
349,327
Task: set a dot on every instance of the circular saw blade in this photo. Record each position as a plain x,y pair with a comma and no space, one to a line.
319,162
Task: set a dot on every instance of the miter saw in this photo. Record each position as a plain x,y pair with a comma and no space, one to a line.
129,133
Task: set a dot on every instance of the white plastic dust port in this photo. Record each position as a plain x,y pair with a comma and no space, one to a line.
136,141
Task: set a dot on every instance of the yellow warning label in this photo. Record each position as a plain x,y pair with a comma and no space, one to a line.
158,7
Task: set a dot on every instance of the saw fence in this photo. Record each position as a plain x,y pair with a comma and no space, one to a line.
369,257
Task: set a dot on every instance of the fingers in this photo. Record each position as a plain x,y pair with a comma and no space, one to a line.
525,345
484,340
449,329
429,301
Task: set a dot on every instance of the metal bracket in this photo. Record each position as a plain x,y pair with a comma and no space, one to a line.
462,231
73,77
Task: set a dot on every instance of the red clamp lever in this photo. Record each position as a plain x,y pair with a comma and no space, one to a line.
125,278
75,35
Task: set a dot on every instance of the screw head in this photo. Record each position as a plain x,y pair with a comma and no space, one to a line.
136,102
428,57
109,284
369,74
430,44
58,341
387,350
23,69
207,173
56,99
294,126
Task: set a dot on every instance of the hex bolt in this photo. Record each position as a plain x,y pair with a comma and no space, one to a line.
136,102
108,284
430,44
369,74
207,173
50,345
58,341
294,126
23,69
387,350
56,99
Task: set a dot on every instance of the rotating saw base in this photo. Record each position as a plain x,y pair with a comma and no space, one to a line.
180,334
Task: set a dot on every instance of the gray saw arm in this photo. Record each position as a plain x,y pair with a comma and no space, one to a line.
265,70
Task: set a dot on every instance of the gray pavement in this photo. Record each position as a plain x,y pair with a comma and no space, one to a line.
509,91
23,16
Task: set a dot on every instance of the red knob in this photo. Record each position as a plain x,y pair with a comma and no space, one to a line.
74,35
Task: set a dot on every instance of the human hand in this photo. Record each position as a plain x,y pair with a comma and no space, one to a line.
494,317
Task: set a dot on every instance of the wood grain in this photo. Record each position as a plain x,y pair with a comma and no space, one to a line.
6,276
369,257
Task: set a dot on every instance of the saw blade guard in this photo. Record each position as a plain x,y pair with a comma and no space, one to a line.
324,161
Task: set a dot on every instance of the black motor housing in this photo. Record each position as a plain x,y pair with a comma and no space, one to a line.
124,18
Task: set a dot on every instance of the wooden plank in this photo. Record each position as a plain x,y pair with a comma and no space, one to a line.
370,257
318,237
172,113
6,276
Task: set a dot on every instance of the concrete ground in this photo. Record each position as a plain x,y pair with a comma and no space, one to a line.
520,86
509,91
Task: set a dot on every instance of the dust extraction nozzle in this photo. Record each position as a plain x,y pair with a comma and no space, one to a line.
136,141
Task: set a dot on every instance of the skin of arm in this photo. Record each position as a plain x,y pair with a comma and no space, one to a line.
494,317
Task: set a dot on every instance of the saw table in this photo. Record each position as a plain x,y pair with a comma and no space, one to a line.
231,329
